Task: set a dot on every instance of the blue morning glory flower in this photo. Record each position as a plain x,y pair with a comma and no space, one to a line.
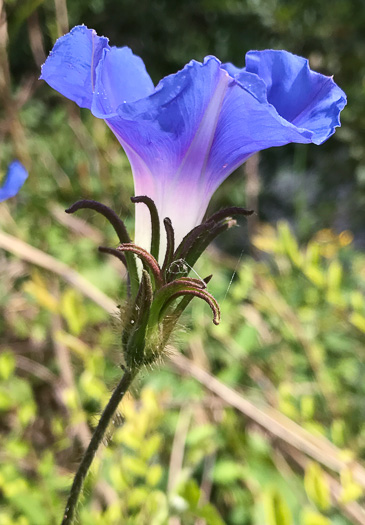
187,134
14,180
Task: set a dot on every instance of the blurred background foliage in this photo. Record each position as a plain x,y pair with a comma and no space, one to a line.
259,421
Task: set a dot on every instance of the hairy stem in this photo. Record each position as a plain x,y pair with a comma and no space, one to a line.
96,439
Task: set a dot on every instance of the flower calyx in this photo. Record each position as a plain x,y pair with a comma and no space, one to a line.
160,293
198,239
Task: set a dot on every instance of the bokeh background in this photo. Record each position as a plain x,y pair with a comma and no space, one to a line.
260,421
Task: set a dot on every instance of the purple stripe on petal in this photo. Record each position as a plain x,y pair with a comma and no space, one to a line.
161,127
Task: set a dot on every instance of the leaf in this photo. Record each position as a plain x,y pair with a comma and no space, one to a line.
153,475
32,506
317,487
334,275
38,288
151,446
73,311
190,491
311,517
351,491
289,243
23,11
137,496
210,514
307,407
226,472
7,365
6,401
134,466
277,511
358,321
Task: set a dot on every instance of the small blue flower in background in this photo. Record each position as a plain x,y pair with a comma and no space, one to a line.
14,180
187,134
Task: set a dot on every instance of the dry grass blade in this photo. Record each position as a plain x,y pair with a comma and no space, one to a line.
28,253
75,224
278,425
353,510
178,448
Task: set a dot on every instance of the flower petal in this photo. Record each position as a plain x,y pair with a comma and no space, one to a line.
199,125
121,77
296,105
247,124
301,96
248,81
184,137
161,127
70,67
167,137
14,180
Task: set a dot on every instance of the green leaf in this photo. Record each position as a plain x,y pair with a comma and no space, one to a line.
277,511
210,514
226,472
7,364
311,517
6,401
351,491
32,506
73,311
317,487
190,491
153,475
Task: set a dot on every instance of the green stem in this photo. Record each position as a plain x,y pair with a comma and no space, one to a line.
96,439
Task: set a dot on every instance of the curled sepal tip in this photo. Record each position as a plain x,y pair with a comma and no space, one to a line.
192,281
170,244
148,260
107,212
196,241
189,239
175,314
202,242
155,222
202,294
178,288
229,212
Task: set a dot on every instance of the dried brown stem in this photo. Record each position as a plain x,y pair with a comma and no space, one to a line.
28,253
278,425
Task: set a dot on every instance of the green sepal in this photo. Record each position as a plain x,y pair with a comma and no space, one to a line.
178,288
148,260
194,292
185,246
155,222
134,334
197,240
232,211
170,245
203,241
